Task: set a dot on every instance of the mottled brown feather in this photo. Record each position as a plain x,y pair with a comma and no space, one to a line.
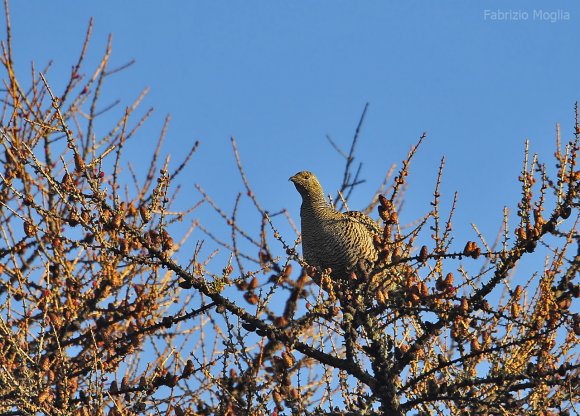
332,239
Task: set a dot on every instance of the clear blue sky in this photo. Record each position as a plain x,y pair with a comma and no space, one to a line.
280,75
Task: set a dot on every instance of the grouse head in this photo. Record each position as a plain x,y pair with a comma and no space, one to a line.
307,184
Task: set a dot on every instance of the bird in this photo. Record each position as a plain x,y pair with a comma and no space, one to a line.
341,241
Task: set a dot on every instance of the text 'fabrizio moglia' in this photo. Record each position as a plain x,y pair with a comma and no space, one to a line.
551,16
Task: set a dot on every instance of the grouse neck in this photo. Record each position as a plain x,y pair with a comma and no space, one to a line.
315,204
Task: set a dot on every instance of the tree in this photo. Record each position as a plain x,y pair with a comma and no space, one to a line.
104,312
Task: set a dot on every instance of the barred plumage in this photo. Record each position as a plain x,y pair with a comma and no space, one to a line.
341,241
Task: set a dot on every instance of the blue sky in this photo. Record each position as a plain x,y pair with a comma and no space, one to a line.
280,76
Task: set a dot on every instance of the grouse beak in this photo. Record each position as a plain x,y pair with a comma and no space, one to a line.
292,179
